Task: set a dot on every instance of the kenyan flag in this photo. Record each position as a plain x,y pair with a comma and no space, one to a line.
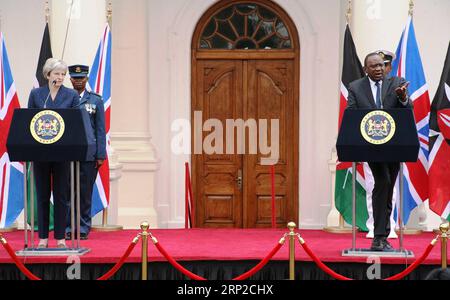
352,70
439,172
44,54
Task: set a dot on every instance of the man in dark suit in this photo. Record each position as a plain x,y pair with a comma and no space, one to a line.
377,91
93,104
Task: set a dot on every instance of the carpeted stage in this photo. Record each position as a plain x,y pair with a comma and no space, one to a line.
220,254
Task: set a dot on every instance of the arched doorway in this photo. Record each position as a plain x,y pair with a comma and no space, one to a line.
245,66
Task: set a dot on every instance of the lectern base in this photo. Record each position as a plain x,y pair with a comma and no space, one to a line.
52,252
367,252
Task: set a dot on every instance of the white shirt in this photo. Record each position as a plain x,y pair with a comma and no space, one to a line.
373,87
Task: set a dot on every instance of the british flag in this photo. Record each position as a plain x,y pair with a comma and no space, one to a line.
100,83
11,173
408,65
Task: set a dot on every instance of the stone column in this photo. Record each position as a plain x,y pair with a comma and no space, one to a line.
76,42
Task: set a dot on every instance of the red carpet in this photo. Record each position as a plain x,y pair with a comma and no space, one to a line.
225,244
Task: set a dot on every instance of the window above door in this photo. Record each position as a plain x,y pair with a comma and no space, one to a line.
245,26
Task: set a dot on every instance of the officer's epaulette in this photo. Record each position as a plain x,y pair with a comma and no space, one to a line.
95,94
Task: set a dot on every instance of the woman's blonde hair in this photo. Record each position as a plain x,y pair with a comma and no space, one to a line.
53,64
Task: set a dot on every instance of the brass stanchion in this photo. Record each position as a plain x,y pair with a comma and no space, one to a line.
2,239
144,254
444,228
291,227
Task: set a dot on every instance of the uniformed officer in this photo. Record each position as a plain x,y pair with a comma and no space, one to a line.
93,104
387,57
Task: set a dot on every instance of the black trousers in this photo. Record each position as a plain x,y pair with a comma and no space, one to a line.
385,175
52,176
88,174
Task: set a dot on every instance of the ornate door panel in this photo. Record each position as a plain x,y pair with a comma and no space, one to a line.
271,97
219,97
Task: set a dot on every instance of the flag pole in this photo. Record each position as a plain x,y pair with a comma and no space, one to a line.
341,228
109,14
104,226
47,12
403,230
67,30
411,8
14,226
348,15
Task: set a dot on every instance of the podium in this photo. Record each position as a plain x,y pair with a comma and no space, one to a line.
57,135
377,136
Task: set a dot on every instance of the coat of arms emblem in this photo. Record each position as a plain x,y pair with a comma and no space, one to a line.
47,127
378,127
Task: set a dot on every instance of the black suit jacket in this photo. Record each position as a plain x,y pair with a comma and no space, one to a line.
360,94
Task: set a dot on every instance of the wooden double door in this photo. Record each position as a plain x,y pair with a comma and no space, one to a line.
233,188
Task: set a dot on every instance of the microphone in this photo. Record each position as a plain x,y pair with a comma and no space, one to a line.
48,96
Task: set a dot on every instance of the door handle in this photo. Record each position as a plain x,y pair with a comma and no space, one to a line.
239,179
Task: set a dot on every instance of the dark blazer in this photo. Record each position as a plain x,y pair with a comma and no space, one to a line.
360,94
93,103
65,98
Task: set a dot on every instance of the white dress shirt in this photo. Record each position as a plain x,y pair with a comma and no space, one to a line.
373,87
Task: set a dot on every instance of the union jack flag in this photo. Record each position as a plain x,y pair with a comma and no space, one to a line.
408,65
11,173
100,83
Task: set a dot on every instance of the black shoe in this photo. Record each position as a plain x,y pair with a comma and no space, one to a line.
83,236
387,245
377,244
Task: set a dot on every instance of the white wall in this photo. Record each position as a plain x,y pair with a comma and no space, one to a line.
87,22
23,40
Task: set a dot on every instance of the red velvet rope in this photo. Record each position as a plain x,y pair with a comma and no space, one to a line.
260,265
119,264
193,276
413,266
337,276
177,265
322,265
18,263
